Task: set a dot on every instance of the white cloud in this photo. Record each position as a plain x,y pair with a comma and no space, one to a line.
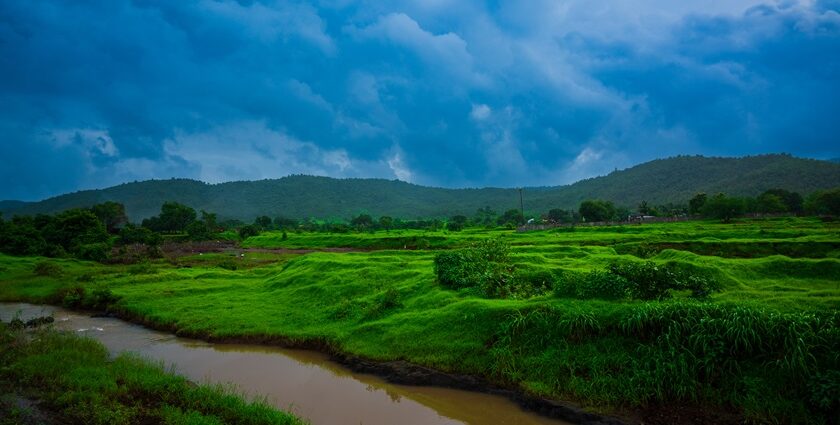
398,166
248,150
447,51
269,23
480,112
91,141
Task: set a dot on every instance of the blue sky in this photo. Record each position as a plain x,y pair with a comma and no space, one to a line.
436,92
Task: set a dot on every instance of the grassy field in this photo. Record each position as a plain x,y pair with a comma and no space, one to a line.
766,347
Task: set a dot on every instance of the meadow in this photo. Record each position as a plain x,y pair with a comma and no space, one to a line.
765,347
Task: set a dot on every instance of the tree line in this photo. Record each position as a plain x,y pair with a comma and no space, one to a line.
92,233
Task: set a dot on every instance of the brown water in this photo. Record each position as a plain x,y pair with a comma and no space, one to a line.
304,382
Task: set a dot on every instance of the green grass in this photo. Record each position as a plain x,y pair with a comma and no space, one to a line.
607,355
75,380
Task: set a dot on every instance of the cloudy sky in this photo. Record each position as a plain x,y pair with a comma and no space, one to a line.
436,92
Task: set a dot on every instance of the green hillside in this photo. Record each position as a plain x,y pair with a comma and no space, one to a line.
657,182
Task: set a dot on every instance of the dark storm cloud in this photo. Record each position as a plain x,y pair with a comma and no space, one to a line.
450,93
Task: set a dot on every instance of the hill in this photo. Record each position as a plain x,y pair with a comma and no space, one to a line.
660,181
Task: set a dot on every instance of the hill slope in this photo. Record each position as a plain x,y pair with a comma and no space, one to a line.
660,181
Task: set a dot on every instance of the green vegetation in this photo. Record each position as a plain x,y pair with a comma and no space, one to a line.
724,316
75,380
660,182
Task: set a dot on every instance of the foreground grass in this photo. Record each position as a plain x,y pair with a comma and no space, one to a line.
766,347
75,382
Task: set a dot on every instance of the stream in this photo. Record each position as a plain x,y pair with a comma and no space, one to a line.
306,383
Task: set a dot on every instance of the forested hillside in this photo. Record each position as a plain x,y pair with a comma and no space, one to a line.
657,182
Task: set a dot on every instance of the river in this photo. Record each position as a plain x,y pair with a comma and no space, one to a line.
304,382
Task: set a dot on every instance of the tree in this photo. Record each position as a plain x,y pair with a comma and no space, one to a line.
75,227
826,202
210,221
285,223
198,231
247,231
558,215
723,208
263,222
512,216
111,214
695,205
792,200
597,210
770,203
362,221
386,222
456,223
174,217
644,209
485,216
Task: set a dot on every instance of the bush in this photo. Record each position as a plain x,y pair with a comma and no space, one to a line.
471,267
247,231
485,267
644,281
649,281
595,284
46,268
94,251
77,297
229,264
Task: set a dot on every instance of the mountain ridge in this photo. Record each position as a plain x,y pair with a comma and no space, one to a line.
673,179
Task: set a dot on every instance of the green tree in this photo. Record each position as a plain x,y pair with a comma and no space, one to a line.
386,222
723,208
644,209
247,231
362,221
792,200
695,205
285,223
456,223
111,214
210,220
826,202
597,210
485,216
558,215
770,203
74,228
263,222
174,217
512,216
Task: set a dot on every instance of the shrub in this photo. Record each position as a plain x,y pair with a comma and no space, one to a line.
46,268
71,297
247,231
229,264
93,251
473,267
647,281
595,284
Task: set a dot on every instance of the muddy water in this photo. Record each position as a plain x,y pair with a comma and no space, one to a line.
304,382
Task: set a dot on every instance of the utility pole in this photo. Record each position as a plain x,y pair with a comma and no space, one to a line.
521,205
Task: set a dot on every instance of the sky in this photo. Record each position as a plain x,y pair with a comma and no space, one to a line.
450,93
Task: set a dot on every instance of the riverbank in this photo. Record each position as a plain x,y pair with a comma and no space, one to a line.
51,377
